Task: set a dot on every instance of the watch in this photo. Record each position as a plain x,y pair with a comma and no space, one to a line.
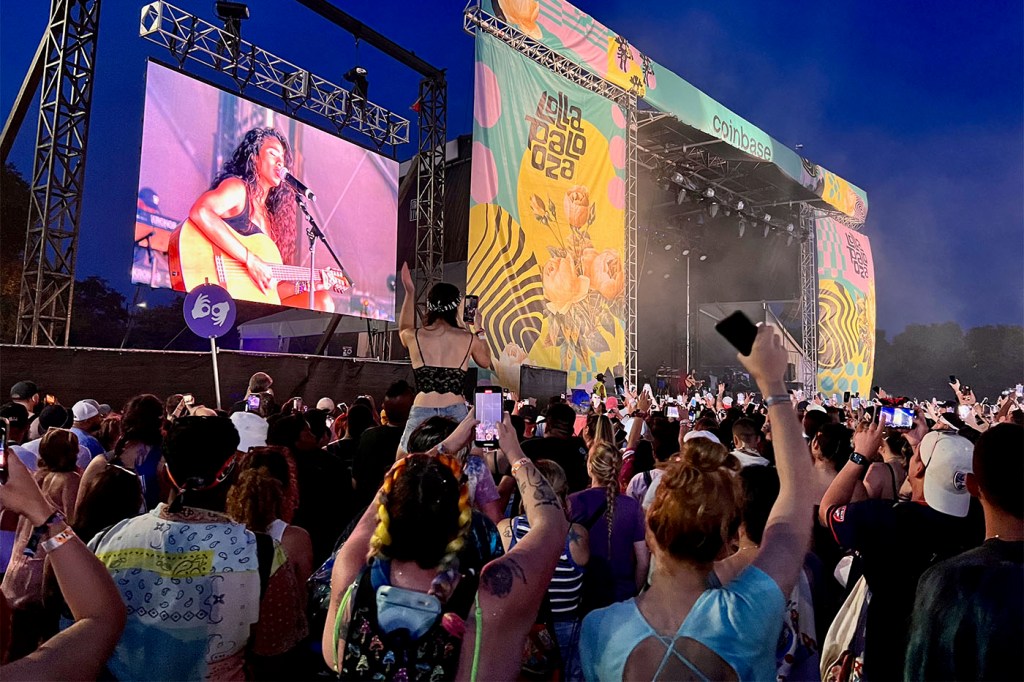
860,459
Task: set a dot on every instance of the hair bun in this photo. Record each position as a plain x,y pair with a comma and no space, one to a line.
706,456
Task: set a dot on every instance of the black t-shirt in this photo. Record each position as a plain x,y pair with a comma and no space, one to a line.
969,617
374,458
569,453
325,500
896,544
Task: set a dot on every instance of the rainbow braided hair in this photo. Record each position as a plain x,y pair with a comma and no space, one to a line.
448,567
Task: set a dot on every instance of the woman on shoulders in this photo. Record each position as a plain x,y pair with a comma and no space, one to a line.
440,350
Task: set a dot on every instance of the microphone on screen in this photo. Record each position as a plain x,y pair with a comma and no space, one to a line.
296,184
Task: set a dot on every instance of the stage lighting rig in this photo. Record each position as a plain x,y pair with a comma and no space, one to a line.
360,86
232,14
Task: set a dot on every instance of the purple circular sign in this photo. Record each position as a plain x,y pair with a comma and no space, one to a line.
209,311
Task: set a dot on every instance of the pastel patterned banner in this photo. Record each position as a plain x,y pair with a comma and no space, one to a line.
547,220
577,36
846,309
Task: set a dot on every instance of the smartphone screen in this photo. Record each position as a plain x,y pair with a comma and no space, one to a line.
488,412
897,417
189,399
672,412
469,309
855,403
739,331
252,403
3,451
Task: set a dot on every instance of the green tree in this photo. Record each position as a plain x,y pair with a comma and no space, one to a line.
15,196
99,316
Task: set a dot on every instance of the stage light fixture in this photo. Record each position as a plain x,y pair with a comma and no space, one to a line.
668,247
709,192
789,240
232,14
713,209
682,196
727,211
767,218
678,178
686,252
703,257
767,227
743,227
790,228
360,86
740,205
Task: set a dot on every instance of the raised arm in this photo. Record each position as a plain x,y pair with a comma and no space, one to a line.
848,481
512,586
788,530
407,316
80,651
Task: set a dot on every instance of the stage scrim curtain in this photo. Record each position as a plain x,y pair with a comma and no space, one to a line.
547,221
846,309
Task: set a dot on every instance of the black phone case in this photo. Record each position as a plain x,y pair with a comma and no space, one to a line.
739,331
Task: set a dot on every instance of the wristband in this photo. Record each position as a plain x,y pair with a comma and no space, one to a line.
39,531
519,465
777,399
58,540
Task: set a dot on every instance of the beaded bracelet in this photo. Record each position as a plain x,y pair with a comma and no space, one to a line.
519,464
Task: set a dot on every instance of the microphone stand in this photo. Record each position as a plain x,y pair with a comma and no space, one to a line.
313,232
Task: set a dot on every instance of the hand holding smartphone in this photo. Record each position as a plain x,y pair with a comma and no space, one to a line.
469,309
739,331
3,450
488,403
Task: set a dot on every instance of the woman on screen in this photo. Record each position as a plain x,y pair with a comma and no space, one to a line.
440,351
241,232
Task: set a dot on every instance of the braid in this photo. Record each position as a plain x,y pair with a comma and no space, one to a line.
605,463
381,537
448,569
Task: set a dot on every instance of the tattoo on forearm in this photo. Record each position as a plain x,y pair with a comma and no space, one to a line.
498,578
543,495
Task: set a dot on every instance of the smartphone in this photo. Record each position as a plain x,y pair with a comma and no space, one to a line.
252,403
298,405
855,403
3,450
952,378
189,399
846,397
50,399
1019,390
897,417
672,412
875,389
739,331
964,390
488,411
469,309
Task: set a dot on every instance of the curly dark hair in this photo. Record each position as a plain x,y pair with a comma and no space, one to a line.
280,203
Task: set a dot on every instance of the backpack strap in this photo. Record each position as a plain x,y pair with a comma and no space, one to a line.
648,478
598,513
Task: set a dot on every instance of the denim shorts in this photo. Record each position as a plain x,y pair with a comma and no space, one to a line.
418,415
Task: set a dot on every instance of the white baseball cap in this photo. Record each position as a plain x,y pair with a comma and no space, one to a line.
701,434
325,404
815,407
947,459
252,430
727,401
84,409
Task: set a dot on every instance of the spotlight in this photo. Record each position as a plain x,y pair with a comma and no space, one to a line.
686,252
230,10
709,192
678,178
232,14
668,247
740,205
743,227
360,86
682,196
790,228
713,209
703,257
789,240
767,218
767,227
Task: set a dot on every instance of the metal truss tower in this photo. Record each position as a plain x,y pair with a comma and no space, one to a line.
58,173
808,301
430,170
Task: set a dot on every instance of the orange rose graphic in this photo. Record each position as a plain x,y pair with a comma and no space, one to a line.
507,365
522,13
605,271
577,206
562,285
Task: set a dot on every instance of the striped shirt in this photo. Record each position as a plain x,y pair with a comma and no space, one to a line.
566,589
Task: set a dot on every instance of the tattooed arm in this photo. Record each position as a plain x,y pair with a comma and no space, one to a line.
512,587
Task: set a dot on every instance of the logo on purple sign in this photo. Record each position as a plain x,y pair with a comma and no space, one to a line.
209,311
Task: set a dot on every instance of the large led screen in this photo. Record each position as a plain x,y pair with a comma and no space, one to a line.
217,204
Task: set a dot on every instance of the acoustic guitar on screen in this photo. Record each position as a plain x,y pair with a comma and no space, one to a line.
194,260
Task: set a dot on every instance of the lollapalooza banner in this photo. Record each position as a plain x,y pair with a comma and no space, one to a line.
579,37
846,309
547,220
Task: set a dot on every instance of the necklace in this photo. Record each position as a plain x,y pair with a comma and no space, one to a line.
743,549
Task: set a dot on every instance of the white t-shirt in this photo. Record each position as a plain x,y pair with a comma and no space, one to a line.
749,459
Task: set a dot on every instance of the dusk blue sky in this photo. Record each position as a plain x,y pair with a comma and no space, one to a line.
919,104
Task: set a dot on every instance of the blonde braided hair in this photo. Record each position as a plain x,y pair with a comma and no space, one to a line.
381,544
605,462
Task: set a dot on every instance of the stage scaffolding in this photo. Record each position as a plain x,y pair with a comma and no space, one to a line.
476,19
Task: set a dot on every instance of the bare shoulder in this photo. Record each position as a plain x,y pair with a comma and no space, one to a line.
502,577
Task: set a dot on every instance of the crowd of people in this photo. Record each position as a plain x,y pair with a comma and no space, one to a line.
755,536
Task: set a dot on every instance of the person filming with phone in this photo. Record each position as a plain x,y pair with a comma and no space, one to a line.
440,350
